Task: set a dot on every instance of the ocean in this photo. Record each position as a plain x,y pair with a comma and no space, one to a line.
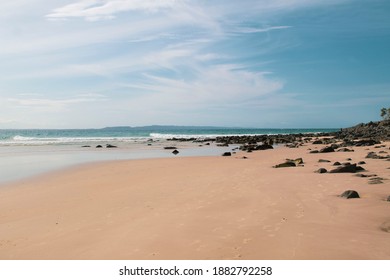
25,137
26,153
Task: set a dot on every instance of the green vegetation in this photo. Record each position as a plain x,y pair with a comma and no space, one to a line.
385,113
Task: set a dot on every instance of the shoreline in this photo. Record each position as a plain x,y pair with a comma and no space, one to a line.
209,207
23,162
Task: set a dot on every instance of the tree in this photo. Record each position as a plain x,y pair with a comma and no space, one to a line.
385,113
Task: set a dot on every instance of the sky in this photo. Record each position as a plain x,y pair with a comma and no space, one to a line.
247,63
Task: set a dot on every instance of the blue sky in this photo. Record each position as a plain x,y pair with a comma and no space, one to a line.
263,63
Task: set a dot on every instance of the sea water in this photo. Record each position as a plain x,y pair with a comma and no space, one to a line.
28,152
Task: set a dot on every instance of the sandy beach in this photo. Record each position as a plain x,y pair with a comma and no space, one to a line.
210,207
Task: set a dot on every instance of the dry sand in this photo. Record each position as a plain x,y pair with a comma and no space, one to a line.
200,208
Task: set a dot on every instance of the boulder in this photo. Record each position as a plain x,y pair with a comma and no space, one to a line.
352,168
336,163
350,194
327,150
175,152
226,154
99,146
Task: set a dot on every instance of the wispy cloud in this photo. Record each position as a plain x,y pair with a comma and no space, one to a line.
155,56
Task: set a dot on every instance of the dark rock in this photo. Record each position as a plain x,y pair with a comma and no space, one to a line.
86,146
327,150
99,146
374,155
226,154
317,142
314,152
290,163
366,142
349,159
175,152
352,168
323,160
170,148
336,163
346,163
345,150
388,198
361,162
322,170
111,146
350,194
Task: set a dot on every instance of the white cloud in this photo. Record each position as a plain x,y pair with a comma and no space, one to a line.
106,9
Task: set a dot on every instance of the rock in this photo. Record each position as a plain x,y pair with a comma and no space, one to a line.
349,159
170,148
366,142
345,150
314,152
175,152
99,146
375,180
285,164
317,142
226,154
290,163
111,146
322,170
327,150
336,163
388,198
323,160
374,155
86,146
350,194
352,168
361,162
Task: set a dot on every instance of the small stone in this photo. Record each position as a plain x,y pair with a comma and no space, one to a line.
323,160
361,162
336,163
99,146
175,152
226,154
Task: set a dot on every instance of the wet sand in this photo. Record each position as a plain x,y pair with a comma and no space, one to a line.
200,208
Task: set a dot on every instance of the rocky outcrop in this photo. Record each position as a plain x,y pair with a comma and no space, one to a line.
371,132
